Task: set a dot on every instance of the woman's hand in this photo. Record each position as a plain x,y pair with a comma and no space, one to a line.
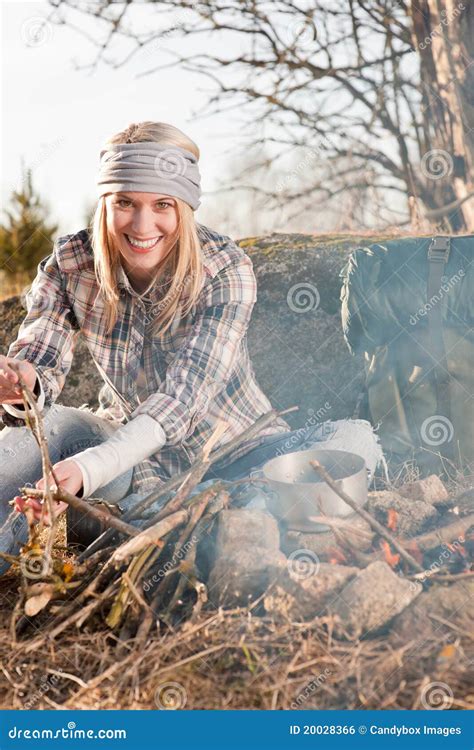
69,477
9,390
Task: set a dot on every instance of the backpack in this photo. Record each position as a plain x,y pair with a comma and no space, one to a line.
408,308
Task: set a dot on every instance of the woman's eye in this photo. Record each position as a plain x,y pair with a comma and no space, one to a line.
121,201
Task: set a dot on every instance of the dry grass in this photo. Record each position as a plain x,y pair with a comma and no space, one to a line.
231,659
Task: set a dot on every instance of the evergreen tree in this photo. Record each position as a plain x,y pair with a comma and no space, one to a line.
27,236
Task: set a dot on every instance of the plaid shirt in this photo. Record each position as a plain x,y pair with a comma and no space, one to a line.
197,373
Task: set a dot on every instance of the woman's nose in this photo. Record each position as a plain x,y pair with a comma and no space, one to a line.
144,224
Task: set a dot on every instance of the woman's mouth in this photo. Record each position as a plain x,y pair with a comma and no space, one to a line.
142,246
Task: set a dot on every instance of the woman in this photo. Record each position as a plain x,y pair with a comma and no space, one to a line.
163,304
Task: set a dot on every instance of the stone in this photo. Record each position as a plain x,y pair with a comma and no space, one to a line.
238,579
430,490
453,603
241,528
371,600
413,516
306,598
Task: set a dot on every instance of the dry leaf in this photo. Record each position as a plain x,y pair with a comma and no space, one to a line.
36,603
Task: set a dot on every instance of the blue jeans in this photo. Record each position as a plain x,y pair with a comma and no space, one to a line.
69,430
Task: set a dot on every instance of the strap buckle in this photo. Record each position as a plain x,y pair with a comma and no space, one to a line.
439,249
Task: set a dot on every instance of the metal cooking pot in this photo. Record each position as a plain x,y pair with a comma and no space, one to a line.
297,492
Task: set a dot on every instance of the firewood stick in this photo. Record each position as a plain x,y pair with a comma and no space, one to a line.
149,536
442,535
195,515
91,510
342,524
366,516
196,473
172,484
29,402
431,539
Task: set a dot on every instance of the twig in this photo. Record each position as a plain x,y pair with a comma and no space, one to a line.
36,427
366,516
150,535
91,510
197,471
430,539
447,577
442,535
342,524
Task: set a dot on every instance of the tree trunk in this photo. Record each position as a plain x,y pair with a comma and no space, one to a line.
444,37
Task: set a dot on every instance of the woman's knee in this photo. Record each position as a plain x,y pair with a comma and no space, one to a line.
70,430
67,431
20,461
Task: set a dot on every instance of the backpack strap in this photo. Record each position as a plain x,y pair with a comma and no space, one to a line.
438,254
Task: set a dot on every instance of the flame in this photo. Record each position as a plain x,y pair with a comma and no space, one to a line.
337,557
391,558
392,519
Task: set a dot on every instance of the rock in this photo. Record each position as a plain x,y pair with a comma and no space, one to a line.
420,620
238,579
430,490
371,600
295,335
412,515
244,528
248,557
307,598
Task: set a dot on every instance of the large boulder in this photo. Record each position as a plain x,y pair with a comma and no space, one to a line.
295,337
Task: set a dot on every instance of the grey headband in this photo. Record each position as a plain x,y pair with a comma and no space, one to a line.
150,167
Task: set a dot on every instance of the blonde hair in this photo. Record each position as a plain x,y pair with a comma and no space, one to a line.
183,262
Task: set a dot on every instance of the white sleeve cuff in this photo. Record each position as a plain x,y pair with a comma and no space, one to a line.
130,444
15,411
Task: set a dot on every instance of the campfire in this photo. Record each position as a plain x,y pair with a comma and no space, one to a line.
371,589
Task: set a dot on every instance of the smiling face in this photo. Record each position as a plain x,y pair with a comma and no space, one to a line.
144,227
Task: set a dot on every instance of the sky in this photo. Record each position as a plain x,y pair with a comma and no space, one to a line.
55,117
